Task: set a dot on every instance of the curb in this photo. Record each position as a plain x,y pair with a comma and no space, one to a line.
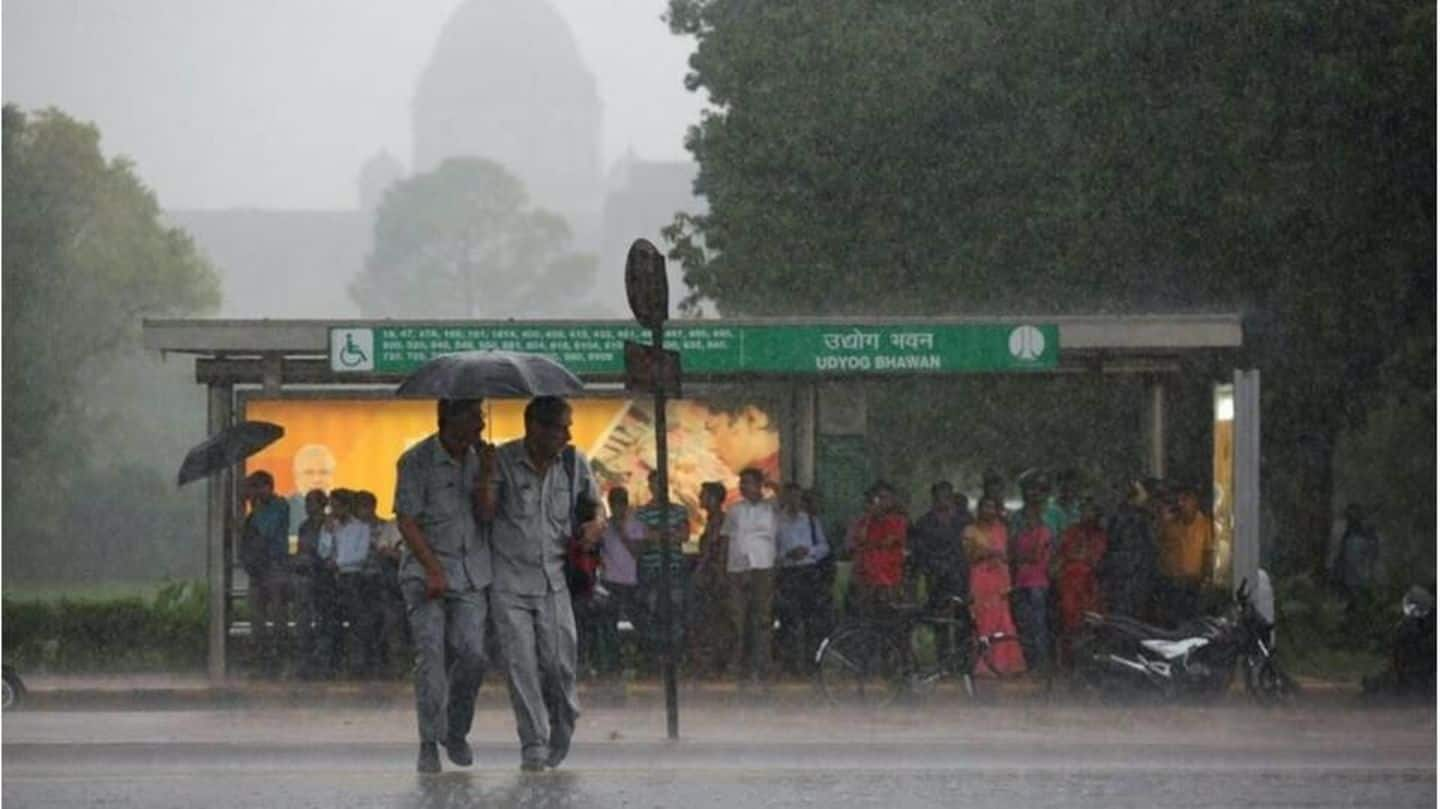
399,694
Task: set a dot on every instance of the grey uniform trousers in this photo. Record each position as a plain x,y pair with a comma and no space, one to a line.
537,639
449,636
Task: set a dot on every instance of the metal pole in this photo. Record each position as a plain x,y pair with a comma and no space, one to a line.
667,607
1245,556
217,545
1155,428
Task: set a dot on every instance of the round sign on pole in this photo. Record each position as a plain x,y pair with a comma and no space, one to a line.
646,286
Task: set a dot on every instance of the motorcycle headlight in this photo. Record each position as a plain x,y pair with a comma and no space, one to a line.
1417,603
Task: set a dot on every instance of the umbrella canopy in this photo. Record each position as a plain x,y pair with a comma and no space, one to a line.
491,373
227,448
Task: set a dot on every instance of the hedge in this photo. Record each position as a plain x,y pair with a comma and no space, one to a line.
164,633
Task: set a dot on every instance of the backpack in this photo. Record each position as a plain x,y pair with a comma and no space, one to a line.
582,565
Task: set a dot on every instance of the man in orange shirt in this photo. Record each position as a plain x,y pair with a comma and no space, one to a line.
1187,555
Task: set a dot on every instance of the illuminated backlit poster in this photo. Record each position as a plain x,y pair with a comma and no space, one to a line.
354,444
1223,508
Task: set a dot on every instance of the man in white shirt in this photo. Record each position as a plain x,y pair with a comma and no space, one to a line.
619,547
382,579
802,597
344,546
749,532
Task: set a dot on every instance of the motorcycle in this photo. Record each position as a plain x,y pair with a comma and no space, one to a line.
1118,655
12,688
1411,672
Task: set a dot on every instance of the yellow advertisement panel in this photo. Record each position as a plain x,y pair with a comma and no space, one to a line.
354,444
1224,491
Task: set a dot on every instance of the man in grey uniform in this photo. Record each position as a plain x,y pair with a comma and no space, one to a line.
444,573
530,507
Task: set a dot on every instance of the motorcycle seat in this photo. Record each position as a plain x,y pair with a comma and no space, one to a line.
1140,630
1171,649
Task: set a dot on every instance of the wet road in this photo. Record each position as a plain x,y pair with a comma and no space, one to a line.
738,757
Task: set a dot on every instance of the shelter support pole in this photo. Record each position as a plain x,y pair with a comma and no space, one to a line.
217,509
1155,427
1245,559
805,425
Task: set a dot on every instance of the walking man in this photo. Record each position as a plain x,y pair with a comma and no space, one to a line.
444,574
531,505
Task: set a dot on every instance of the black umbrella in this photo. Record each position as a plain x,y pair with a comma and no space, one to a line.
227,448
491,373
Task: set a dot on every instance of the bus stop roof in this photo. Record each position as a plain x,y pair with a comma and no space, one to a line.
300,351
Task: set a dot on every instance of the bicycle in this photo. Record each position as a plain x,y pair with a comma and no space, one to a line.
874,662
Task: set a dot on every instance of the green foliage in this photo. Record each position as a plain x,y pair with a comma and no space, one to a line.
86,257
1318,636
461,241
1274,157
127,633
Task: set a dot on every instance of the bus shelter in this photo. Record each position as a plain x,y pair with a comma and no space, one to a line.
337,377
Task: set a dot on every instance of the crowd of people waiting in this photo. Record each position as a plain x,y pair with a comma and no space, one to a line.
766,566
761,592
339,589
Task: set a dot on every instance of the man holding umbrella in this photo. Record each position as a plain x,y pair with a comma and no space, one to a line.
445,571
538,481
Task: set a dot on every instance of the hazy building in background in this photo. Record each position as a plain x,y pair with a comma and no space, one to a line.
282,264
506,82
641,198
505,79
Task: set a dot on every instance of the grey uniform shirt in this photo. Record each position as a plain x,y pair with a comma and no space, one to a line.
435,491
532,519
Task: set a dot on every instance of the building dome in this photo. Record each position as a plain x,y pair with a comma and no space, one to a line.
506,83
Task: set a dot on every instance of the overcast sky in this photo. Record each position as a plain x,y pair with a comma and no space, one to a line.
277,103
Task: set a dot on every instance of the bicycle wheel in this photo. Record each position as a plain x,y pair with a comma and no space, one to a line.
861,665
996,656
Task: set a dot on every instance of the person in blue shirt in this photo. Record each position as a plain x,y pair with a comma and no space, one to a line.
264,552
802,597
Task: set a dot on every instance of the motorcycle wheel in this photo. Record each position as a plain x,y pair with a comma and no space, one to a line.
11,689
1266,683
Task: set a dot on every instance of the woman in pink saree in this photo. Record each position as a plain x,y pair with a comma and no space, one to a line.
985,543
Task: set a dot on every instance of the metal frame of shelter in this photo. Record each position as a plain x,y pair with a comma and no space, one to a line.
238,359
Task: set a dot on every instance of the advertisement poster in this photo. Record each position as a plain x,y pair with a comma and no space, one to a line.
1223,508
354,444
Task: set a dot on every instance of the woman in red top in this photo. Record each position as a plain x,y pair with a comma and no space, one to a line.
1081,548
877,544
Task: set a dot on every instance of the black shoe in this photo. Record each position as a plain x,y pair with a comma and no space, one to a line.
459,752
559,748
429,760
532,766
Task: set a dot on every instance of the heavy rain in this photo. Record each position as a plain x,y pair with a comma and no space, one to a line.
617,403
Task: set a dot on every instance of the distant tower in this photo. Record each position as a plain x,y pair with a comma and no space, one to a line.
506,83
377,175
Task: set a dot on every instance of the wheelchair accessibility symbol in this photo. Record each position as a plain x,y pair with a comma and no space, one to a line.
352,350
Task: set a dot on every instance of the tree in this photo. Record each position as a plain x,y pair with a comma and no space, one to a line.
460,241
1274,157
86,257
